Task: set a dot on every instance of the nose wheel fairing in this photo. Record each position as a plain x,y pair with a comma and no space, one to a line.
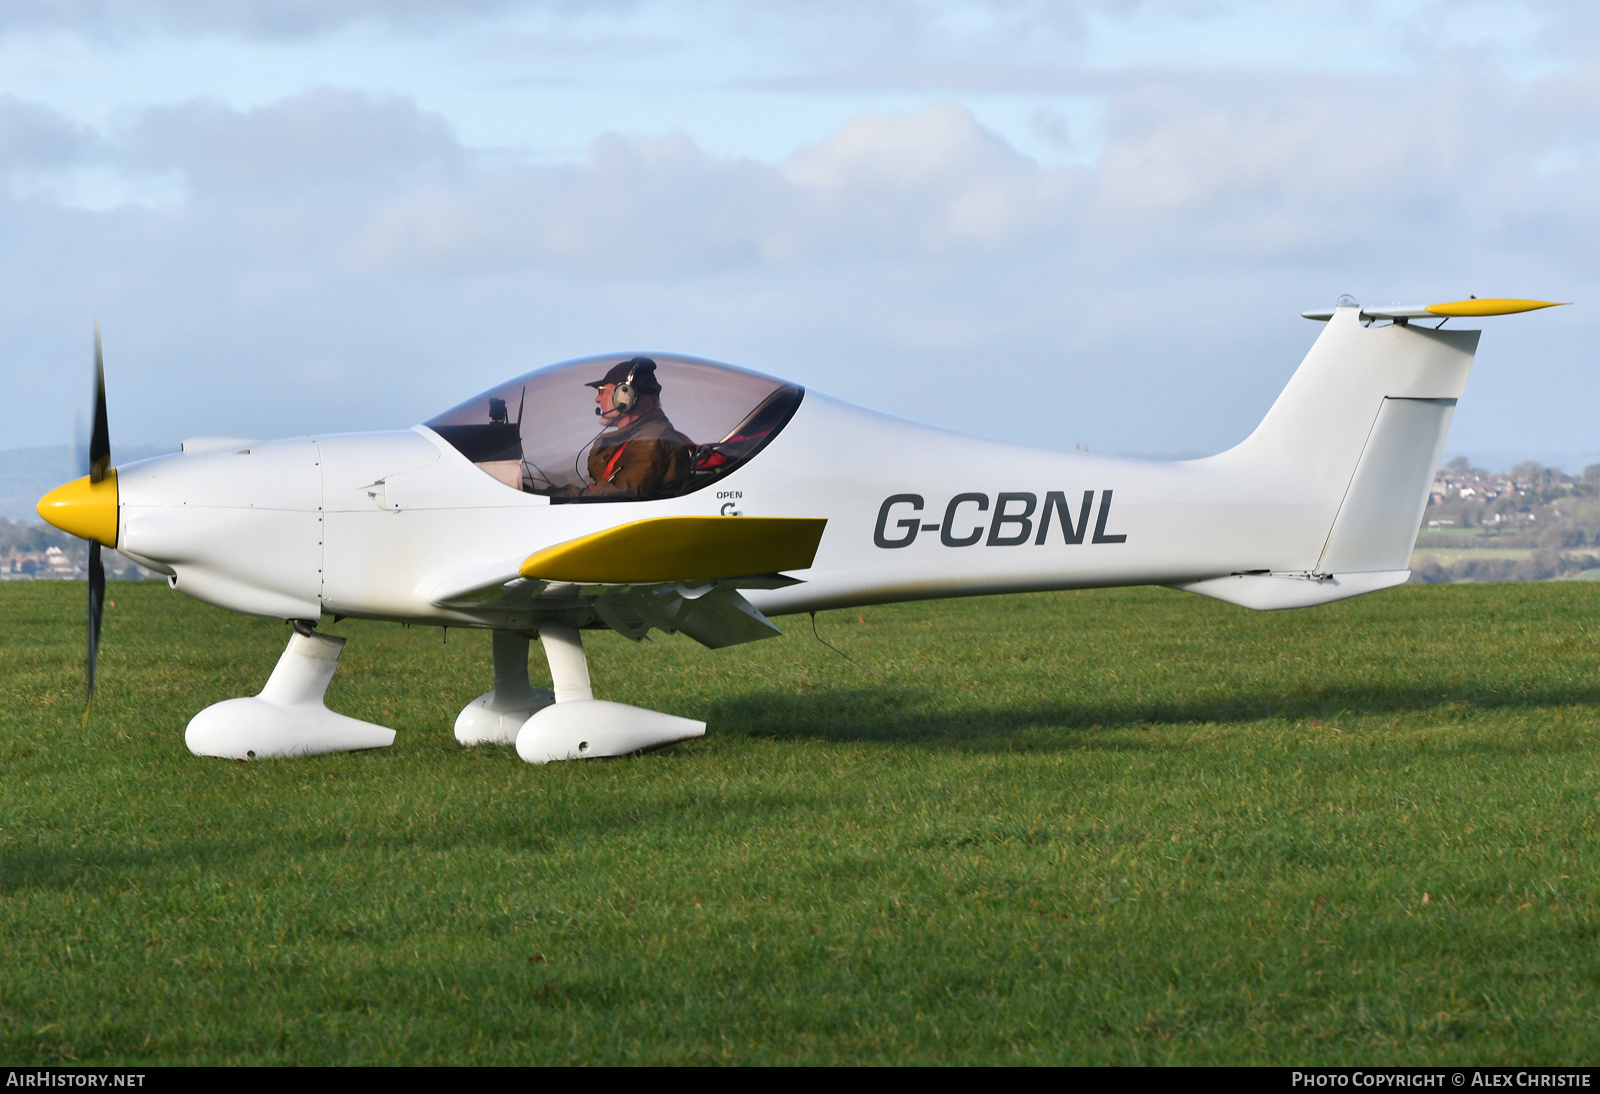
288,717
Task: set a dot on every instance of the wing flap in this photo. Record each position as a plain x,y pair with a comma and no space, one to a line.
714,617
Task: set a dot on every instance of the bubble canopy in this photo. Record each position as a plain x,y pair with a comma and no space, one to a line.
540,432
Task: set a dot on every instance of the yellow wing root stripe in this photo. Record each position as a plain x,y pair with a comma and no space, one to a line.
1496,306
680,549
84,509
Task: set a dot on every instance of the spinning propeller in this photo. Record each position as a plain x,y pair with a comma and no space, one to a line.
87,508
99,464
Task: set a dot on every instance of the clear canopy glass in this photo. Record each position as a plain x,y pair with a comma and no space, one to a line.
541,432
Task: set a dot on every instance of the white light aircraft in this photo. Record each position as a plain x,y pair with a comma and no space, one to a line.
706,499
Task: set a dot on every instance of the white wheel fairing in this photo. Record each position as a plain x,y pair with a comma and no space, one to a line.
593,729
288,718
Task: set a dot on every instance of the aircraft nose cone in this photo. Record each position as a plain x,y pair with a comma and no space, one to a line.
84,509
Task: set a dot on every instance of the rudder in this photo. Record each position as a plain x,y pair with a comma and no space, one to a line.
1377,525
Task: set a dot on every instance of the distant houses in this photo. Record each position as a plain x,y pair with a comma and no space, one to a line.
52,562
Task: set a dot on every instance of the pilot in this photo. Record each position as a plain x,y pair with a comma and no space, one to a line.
643,457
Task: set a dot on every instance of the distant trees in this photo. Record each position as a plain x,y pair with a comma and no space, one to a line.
1536,474
21,538
1462,468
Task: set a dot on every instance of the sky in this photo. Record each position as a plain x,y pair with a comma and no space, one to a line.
1060,223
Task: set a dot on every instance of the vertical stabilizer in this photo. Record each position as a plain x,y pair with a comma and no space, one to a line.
1358,431
1320,423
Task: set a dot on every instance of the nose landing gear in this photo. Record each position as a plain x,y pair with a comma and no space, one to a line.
288,718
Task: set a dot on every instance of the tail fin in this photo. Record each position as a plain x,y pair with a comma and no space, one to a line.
1363,422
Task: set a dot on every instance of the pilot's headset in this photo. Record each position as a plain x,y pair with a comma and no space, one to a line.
625,396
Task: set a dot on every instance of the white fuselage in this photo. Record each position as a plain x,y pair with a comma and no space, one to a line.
1328,489
372,525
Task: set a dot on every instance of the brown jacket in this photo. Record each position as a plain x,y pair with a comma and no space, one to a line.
646,459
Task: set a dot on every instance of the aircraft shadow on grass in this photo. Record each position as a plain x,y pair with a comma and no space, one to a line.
112,866
913,716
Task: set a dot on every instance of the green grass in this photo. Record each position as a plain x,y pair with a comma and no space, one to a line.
1117,826
1446,556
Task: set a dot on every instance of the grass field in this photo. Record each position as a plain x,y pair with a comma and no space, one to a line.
1445,556
1127,826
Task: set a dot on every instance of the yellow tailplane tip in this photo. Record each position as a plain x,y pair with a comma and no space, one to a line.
1494,306
84,509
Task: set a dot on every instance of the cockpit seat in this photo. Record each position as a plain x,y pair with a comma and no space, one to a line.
747,438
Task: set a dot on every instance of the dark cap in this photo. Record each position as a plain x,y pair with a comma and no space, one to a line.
644,375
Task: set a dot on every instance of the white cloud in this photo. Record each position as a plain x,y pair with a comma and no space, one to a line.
910,184
632,208
923,183
337,259
308,140
268,19
1306,173
34,136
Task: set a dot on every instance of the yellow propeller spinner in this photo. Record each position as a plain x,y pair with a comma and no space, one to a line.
85,509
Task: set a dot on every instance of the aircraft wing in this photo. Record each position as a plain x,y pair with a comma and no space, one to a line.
676,574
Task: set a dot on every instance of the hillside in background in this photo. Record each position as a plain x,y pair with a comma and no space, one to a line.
1532,523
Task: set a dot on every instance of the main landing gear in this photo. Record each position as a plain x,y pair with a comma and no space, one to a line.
495,718
289,717
568,723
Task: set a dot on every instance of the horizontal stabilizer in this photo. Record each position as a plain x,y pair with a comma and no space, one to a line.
1466,308
680,549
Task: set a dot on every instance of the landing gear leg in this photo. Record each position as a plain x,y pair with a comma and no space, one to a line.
569,665
495,718
288,718
577,726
